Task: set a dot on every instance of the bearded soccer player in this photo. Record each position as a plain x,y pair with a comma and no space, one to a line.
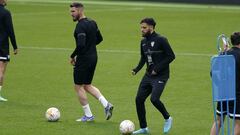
156,52
84,60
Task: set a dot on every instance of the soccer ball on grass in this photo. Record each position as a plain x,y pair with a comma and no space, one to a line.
52,114
126,127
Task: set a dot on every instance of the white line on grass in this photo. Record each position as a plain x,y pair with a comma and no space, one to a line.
38,13
138,4
88,11
115,9
113,51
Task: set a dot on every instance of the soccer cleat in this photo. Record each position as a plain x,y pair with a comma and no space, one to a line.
141,131
167,125
85,119
108,111
3,99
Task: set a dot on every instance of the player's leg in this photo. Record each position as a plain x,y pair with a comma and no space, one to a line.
237,115
81,94
237,127
144,91
95,92
79,77
158,87
88,116
218,124
3,66
87,77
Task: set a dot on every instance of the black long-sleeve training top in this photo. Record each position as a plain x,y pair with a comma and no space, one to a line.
235,51
157,54
6,30
87,36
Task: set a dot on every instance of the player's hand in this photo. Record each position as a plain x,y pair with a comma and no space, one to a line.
133,72
72,61
154,73
15,51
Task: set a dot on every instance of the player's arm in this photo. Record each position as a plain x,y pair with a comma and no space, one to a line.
72,61
80,41
10,31
170,56
140,64
74,54
99,37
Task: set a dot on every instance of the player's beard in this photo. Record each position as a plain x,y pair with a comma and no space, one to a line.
76,18
146,34
3,2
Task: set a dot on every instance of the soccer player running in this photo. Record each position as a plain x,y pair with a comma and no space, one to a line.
235,51
84,60
6,32
157,54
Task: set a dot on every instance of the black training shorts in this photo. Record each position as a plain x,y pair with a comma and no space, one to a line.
84,69
4,55
231,109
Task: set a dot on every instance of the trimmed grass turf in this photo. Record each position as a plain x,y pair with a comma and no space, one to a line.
37,79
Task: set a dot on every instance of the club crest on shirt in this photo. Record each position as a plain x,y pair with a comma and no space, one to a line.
152,43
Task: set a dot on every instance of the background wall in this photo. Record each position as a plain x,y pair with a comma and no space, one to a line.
228,2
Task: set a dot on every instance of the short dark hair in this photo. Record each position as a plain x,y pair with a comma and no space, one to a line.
76,5
149,21
235,38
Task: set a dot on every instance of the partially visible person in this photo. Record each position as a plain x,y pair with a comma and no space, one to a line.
157,53
235,51
84,60
6,32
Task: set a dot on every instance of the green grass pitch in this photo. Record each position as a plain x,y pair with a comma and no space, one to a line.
40,76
